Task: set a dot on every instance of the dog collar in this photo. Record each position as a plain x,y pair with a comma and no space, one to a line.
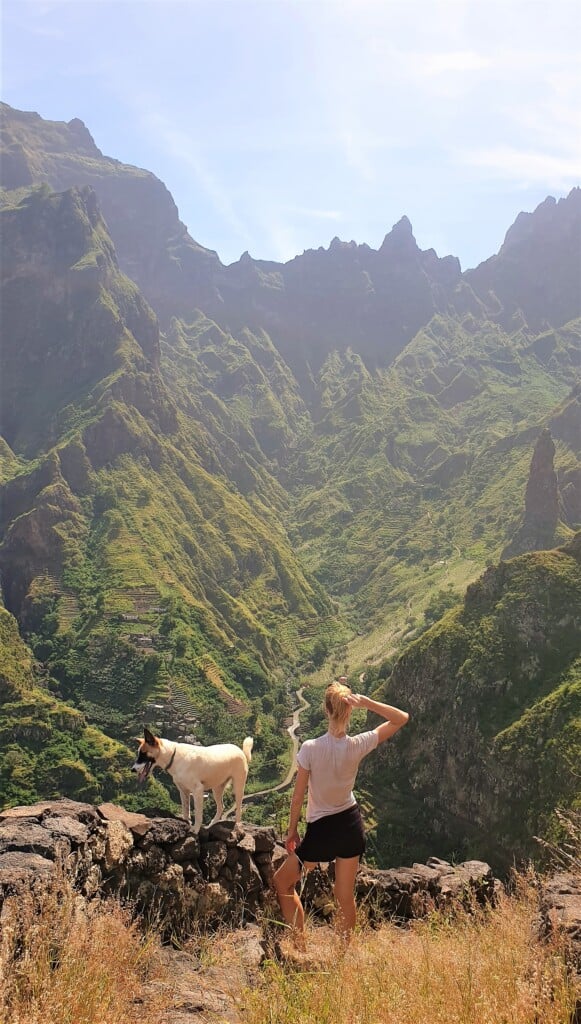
168,766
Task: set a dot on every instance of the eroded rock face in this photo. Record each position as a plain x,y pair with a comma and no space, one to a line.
541,514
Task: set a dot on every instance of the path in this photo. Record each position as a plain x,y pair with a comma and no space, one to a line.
292,731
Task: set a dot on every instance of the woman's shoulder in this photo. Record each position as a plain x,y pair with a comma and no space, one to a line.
313,741
364,740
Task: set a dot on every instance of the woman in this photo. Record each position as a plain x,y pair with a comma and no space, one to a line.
327,767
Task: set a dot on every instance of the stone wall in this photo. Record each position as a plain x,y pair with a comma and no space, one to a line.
178,878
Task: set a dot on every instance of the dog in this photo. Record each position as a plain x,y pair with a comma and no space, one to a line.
196,769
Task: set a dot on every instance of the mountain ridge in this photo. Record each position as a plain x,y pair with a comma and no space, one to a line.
206,500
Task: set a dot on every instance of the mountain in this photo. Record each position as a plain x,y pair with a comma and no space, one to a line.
120,523
153,246
492,747
536,272
218,480
347,295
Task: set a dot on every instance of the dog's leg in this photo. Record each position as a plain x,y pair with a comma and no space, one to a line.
218,791
239,781
185,799
198,807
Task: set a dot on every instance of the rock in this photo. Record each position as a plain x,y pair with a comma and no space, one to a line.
66,827
166,832
170,880
247,843
279,855
118,844
400,892
186,849
213,858
19,870
146,862
225,872
70,808
29,837
541,514
561,908
213,901
264,838
228,832
136,823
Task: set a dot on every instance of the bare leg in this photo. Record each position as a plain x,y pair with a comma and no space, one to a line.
345,872
284,881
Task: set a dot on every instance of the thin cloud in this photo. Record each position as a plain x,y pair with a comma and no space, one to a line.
183,148
305,211
526,167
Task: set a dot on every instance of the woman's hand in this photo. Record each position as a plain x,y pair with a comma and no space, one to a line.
355,700
292,841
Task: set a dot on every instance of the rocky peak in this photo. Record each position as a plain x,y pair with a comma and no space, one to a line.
71,329
545,222
537,530
154,248
538,268
82,137
541,498
400,241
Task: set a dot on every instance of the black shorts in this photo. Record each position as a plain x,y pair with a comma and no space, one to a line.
335,835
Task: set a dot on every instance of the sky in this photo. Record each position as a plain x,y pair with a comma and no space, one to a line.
279,124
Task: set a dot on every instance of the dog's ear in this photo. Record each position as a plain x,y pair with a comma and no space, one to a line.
149,737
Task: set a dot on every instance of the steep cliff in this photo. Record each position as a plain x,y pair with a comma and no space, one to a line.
135,533
541,512
494,695
153,246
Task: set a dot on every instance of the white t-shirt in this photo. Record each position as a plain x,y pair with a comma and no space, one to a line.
333,765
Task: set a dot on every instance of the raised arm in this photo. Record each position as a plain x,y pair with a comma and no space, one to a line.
395,718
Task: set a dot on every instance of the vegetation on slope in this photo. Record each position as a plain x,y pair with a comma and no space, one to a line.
48,749
325,450
494,695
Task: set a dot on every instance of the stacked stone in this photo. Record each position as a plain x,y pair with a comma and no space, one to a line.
171,874
180,880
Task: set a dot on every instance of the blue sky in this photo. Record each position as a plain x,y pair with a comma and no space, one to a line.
278,124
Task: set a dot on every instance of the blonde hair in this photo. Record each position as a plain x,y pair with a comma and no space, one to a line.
338,711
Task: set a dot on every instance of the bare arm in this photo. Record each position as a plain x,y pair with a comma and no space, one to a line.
301,783
395,718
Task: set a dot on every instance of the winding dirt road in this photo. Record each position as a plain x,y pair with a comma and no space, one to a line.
292,731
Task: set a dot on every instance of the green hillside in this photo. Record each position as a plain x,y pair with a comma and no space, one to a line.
494,740
48,748
219,483
148,574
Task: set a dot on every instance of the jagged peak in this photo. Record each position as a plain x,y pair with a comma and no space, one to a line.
548,212
338,245
82,134
401,235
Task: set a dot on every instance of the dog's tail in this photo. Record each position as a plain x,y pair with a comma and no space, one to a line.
247,748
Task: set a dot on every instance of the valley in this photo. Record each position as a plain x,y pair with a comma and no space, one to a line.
222,485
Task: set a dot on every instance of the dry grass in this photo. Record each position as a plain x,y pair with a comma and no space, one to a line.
63,962
483,968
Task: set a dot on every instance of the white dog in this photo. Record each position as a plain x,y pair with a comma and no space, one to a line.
196,769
